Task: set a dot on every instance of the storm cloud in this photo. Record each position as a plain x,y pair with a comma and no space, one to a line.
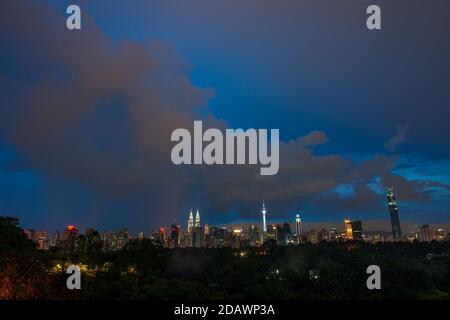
80,106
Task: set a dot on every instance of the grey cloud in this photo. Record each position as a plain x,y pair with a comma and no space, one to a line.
101,113
400,135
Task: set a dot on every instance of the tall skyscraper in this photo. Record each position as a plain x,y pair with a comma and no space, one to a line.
348,230
357,230
190,222
395,221
263,211
174,236
298,227
425,233
197,219
70,232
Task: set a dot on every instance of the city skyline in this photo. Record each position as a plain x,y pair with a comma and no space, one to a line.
86,120
352,229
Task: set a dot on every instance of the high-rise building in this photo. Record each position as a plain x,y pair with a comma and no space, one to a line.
281,233
31,234
357,230
255,235
41,237
264,211
322,235
425,233
333,234
88,232
70,232
38,237
286,233
190,222
298,227
198,237
121,239
70,239
348,231
395,221
439,234
235,239
197,219
219,236
56,239
174,236
313,236
208,242
109,240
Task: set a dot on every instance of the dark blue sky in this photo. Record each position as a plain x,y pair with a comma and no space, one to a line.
85,118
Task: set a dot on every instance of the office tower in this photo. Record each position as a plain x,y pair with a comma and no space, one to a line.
263,211
285,233
439,234
219,236
208,241
279,234
198,237
197,219
333,234
37,237
313,236
357,230
174,236
322,235
182,237
235,241
89,231
70,232
41,237
190,222
254,235
56,239
298,227
109,240
348,231
271,232
70,239
395,221
31,234
121,239
425,233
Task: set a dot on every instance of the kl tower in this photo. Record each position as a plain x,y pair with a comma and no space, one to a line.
263,211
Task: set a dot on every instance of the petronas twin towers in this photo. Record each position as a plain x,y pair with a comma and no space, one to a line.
191,223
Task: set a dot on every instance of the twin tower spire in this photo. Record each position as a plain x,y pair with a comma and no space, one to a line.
191,220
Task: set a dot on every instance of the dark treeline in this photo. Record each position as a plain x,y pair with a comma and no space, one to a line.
146,270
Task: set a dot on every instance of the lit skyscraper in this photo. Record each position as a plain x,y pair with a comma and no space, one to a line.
357,230
197,219
395,221
263,211
174,236
348,230
190,222
298,227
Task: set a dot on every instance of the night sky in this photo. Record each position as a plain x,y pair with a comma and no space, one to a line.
86,116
